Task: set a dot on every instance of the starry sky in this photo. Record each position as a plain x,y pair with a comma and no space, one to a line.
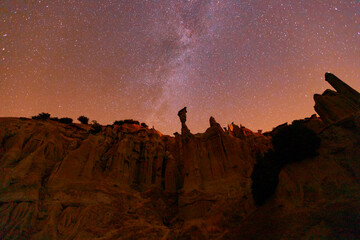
251,62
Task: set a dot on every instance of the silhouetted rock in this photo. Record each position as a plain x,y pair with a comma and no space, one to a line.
182,115
213,123
334,106
343,88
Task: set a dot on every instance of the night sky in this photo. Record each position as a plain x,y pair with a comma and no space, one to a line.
252,62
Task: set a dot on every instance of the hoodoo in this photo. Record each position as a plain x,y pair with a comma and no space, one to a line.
182,116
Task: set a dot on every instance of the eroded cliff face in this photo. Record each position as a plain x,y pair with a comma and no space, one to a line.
58,181
216,169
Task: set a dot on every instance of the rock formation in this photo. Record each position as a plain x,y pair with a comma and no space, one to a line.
63,181
182,116
333,106
213,122
239,132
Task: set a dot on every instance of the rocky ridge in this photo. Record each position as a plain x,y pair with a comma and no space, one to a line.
59,181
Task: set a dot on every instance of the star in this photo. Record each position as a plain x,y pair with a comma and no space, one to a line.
245,62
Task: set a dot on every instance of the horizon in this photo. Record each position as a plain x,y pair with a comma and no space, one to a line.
252,63
76,121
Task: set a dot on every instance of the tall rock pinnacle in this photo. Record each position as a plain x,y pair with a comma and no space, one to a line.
182,116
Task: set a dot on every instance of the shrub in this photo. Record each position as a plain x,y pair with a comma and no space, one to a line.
295,143
131,121
56,119
126,121
121,122
65,120
265,177
83,119
42,116
95,128
291,143
144,125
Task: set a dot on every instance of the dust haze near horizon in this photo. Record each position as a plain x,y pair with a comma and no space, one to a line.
256,63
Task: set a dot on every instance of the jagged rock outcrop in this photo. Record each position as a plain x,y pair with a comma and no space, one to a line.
213,122
65,181
216,169
123,182
317,198
314,123
333,106
239,132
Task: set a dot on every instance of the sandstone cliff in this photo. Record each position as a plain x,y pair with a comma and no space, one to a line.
63,181
60,181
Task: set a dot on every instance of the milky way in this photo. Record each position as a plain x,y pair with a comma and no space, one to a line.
257,63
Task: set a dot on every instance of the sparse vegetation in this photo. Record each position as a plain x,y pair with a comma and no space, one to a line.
83,119
144,125
65,120
126,121
95,128
265,177
121,122
291,143
42,116
295,143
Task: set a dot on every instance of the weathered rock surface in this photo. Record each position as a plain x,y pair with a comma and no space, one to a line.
333,106
318,198
58,181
